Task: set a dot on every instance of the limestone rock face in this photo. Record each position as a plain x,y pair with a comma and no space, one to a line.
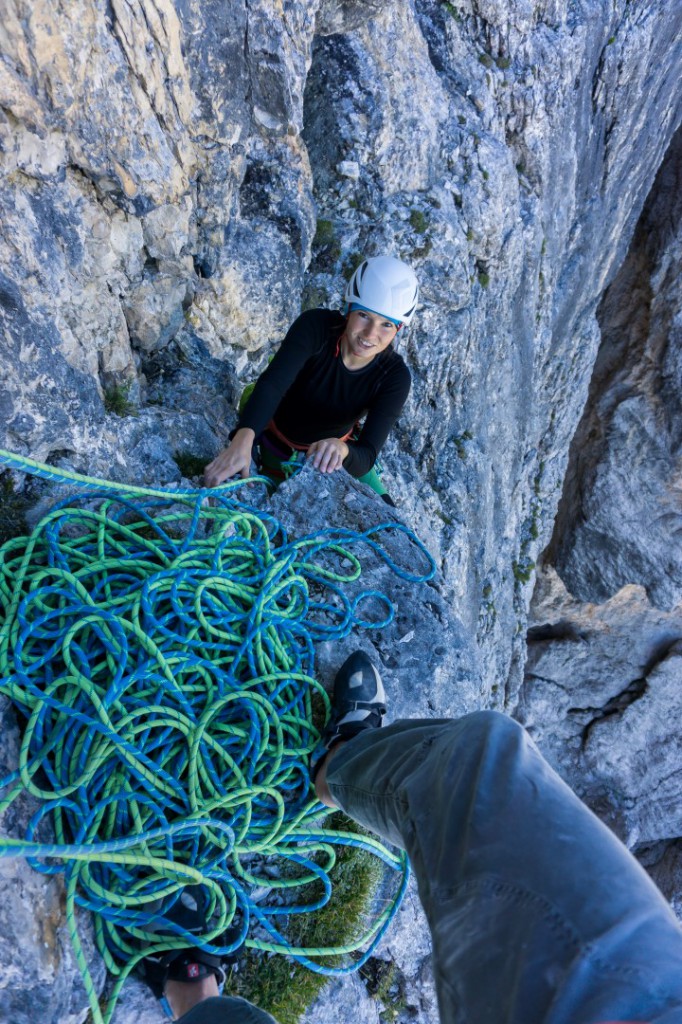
606,637
179,177
164,170
602,683
626,524
40,979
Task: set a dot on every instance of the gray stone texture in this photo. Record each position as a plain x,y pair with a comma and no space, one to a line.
621,519
178,177
40,979
602,687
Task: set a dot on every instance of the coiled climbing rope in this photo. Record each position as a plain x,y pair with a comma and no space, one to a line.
159,646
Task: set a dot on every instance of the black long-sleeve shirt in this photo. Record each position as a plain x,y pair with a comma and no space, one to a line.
311,394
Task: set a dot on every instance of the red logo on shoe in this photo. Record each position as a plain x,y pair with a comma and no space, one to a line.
192,970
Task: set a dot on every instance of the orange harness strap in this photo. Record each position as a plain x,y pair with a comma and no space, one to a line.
274,429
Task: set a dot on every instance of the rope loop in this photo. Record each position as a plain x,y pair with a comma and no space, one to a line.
158,646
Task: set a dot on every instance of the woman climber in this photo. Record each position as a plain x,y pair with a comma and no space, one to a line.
329,372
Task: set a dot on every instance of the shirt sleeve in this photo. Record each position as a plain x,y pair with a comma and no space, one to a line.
304,338
381,416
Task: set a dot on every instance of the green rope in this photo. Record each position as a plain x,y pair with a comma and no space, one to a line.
159,648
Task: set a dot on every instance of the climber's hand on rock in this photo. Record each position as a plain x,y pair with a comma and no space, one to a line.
232,461
328,455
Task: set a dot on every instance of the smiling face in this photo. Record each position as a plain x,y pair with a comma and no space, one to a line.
366,335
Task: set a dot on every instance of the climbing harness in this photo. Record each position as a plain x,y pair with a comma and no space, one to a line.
279,459
158,645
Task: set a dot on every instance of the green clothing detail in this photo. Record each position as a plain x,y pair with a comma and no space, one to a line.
281,469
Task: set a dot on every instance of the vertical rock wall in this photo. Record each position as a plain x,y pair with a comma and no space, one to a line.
620,519
606,645
177,177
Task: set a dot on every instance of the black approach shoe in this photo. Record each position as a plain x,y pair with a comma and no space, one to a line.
188,964
358,701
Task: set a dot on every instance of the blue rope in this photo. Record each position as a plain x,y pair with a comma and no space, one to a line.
159,645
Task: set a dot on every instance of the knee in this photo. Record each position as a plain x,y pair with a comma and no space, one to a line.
492,725
490,736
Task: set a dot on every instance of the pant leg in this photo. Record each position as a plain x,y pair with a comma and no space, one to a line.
373,480
226,1010
538,914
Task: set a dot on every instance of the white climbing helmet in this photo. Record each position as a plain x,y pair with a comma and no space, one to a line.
384,285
